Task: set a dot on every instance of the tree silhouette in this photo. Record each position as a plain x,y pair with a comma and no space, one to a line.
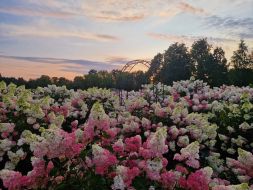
202,59
218,72
177,64
241,58
155,66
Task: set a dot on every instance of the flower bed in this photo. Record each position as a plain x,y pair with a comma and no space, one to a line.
185,136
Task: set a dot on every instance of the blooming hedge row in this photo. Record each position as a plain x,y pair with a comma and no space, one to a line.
185,136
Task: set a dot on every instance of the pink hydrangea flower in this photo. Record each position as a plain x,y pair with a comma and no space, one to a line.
156,143
102,159
119,146
198,180
169,179
133,144
13,180
127,174
98,118
56,143
190,155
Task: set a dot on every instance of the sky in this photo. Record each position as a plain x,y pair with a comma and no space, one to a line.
69,37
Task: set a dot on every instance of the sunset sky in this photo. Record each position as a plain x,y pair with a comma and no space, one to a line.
70,37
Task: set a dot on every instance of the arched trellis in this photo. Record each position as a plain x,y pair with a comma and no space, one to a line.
131,64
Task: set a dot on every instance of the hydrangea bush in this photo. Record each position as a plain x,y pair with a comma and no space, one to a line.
185,136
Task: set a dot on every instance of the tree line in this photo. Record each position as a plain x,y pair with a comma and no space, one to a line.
102,79
177,63
203,62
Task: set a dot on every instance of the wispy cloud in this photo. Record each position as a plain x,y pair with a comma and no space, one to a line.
27,67
52,32
114,17
235,27
137,10
186,7
230,22
186,39
36,11
106,10
81,62
117,60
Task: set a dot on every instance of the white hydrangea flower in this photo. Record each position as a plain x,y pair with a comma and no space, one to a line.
151,188
245,157
13,157
210,143
183,141
84,110
145,122
79,135
192,149
195,131
173,130
118,183
215,162
223,137
231,151
5,145
243,178
155,165
97,112
243,186
59,120
239,141
121,170
9,165
210,131
20,153
157,141
230,129
97,150
245,126
131,127
208,171
216,106
31,120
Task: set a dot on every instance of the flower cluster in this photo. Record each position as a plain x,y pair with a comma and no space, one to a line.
185,136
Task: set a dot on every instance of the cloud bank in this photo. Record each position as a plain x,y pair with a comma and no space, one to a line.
27,67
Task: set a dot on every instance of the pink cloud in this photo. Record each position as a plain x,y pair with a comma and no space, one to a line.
36,12
186,7
48,31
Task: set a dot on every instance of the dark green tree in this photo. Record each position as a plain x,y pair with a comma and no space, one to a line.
155,66
62,81
106,79
79,83
177,64
92,71
242,62
92,79
241,57
124,81
43,81
219,68
140,78
202,59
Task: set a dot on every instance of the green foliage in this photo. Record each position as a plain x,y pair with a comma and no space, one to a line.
241,77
